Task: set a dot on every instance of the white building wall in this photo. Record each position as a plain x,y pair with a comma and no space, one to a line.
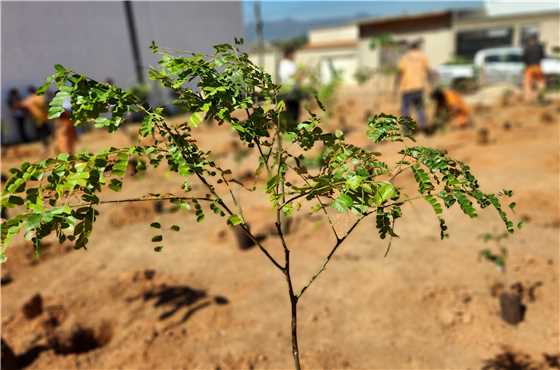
550,32
344,60
271,59
334,34
368,58
439,46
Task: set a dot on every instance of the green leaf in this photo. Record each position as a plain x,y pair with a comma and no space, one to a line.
15,200
195,119
234,220
342,203
159,248
175,227
63,156
354,181
424,183
155,225
121,164
434,203
147,127
59,68
385,191
465,204
115,185
157,238
102,122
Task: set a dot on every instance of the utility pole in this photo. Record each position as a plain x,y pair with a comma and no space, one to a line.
133,40
259,30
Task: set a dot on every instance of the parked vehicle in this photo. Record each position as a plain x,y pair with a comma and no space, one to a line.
496,65
458,76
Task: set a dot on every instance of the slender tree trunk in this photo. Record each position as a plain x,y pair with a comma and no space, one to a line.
295,348
293,304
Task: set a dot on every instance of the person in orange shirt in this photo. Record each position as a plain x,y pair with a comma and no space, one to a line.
533,54
65,133
36,106
451,109
412,79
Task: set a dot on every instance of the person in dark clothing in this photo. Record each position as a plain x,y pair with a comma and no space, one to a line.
533,54
291,92
18,113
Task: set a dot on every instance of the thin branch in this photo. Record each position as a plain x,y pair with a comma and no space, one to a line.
400,170
323,207
390,238
258,144
331,254
220,201
263,157
143,199
233,198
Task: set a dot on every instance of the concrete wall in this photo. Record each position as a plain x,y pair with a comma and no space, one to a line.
439,46
368,58
334,34
92,37
343,59
271,60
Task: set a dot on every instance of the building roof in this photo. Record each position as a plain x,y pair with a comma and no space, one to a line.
331,45
397,18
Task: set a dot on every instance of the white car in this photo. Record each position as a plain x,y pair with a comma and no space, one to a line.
496,65
448,74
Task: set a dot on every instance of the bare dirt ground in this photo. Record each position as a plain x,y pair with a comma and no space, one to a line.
203,303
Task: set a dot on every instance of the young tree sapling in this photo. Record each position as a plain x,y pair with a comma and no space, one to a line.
62,195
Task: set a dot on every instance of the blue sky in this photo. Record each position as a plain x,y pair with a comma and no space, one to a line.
308,10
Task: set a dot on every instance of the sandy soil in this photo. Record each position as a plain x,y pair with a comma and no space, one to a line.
203,303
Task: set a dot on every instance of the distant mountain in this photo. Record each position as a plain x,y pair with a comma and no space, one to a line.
289,28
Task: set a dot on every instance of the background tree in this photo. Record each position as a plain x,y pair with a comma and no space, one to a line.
62,195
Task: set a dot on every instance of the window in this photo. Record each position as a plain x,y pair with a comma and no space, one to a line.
513,58
471,41
492,59
503,58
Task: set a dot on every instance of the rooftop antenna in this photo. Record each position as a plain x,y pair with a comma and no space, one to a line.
259,32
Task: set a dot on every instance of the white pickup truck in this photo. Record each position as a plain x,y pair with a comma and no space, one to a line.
495,65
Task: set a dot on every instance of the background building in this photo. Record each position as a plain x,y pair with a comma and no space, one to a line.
446,35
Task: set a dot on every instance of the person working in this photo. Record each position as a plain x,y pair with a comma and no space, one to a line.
36,106
533,54
411,79
287,74
65,134
18,113
451,109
